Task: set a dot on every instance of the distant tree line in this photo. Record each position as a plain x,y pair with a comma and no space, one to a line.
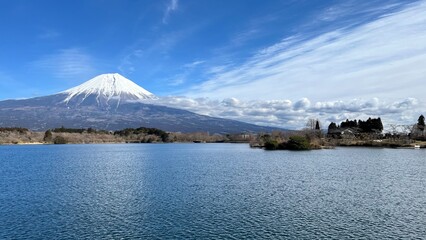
77,130
133,134
14,129
141,135
371,125
143,130
68,130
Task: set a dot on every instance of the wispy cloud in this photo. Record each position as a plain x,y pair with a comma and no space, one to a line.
67,64
153,51
368,8
140,51
177,80
383,58
184,73
126,63
194,64
48,34
171,7
254,29
294,114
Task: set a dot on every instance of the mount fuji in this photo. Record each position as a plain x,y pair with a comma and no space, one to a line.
106,91
111,102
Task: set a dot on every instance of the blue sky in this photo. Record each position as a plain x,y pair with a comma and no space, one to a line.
268,62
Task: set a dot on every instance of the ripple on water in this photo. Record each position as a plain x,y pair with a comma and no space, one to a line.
210,191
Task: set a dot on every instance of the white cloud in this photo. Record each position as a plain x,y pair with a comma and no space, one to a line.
67,64
384,58
302,104
294,115
171,7
231,102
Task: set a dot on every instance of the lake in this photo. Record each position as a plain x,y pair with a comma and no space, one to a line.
210,191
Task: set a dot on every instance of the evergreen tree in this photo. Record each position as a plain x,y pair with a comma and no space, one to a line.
379,124
371,125
48,136
421,122
317,125
349,124
332,126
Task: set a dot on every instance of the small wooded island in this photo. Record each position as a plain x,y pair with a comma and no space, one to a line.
368,133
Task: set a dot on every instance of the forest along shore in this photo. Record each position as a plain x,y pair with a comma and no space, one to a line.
129,135
353,133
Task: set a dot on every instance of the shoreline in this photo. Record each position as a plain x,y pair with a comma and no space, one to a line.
275,141
421,145
99,143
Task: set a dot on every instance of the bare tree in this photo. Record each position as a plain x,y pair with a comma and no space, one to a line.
311,124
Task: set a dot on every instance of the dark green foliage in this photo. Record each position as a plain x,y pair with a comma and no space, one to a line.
294,143
349,124
298,143
142,130
421,122
60,140
68,130
379,124
48,136
104,131
282,146
78,130
333,130
12,129
369,126
271,145
125,132
332,126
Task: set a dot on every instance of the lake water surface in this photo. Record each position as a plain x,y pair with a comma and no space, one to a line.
210,191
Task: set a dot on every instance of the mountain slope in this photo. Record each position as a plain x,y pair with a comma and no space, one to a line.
110,102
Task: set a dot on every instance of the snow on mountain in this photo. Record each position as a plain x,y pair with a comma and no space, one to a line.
107,87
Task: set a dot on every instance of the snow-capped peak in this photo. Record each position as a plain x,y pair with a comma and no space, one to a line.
109,86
